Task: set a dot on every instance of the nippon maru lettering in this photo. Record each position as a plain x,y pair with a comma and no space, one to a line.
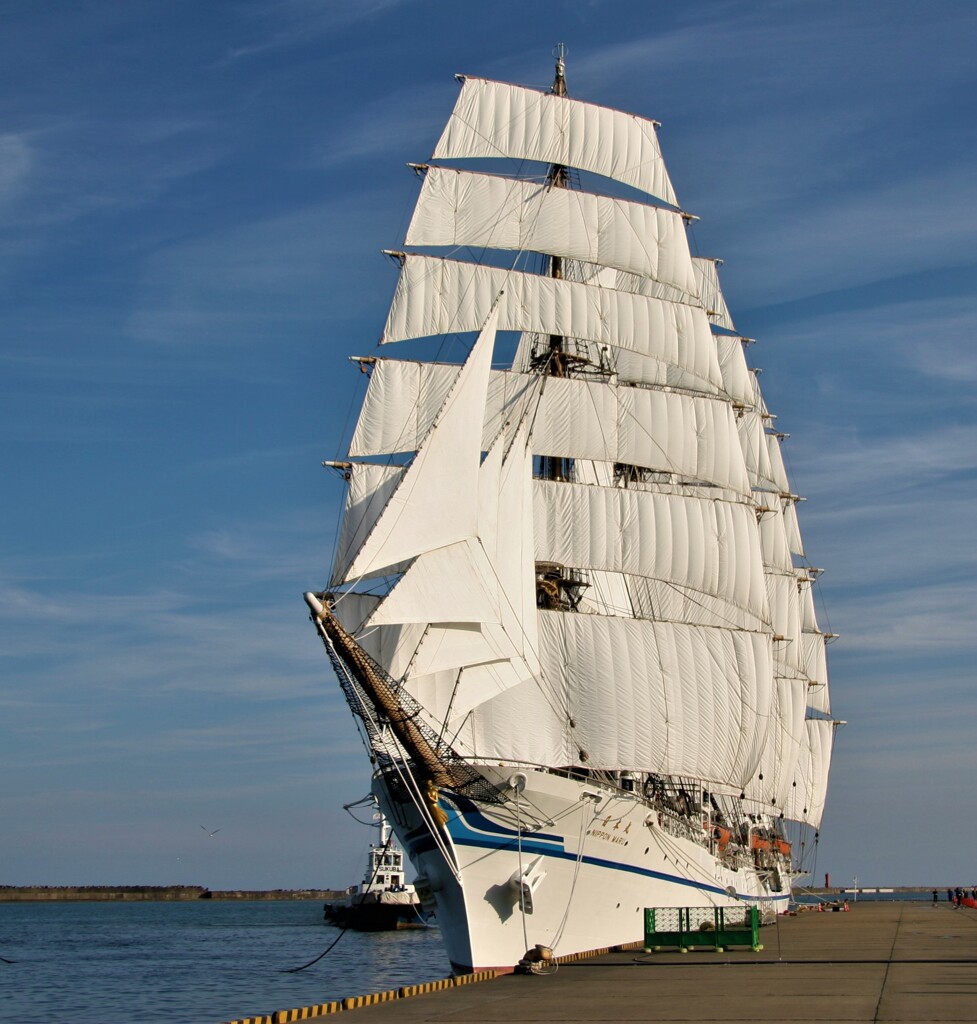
570,606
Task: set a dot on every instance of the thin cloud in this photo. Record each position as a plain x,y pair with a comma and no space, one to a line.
919,620
252,282
288,23
403,123
16,160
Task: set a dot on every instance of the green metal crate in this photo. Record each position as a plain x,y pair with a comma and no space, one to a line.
686,928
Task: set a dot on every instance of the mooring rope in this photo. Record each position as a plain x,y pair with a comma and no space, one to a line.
328,949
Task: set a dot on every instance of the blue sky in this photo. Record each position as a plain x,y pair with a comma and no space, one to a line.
192,202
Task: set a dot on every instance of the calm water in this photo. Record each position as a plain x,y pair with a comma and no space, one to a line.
198,962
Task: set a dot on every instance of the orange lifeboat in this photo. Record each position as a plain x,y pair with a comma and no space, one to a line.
783,847
758,843
721,836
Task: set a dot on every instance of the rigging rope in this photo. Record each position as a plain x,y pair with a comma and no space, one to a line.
329,948
581,838
522,898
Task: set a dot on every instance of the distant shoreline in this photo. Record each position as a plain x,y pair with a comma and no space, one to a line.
868,890
136,893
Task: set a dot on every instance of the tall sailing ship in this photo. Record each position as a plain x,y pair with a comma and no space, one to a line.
570,607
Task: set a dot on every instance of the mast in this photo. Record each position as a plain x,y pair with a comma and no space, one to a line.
557,177
555,588
385,830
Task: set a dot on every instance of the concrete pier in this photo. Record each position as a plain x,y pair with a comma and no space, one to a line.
878,962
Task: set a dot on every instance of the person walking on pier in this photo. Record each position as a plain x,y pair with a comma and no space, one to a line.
936,897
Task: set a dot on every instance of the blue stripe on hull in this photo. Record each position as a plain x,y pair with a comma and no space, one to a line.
464,834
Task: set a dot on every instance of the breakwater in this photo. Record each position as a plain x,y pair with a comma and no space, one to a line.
136,893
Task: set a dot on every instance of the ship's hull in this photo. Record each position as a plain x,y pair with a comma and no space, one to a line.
376,912
587,860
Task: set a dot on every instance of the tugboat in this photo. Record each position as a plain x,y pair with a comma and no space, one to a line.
383,901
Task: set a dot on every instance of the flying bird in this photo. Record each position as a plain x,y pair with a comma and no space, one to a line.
211,834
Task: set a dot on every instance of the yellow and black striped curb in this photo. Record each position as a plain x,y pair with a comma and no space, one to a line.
305,1012
355,1002
407,991
570,958
467,979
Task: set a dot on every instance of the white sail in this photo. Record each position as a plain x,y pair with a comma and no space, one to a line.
806,800
454,583
815,664
440,296
738,382
709,546
773,532
794,541
401,402
385,645
710,293
637,284
694,438
630,596
525,724
464,208
435,502
499,658
507,512
646,696
488,580
756,450
778,472
494,119
786,737
369,490
785,616
809,619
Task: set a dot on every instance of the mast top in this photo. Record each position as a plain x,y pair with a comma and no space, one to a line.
559,82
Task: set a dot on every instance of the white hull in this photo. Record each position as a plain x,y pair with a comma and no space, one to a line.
593,866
